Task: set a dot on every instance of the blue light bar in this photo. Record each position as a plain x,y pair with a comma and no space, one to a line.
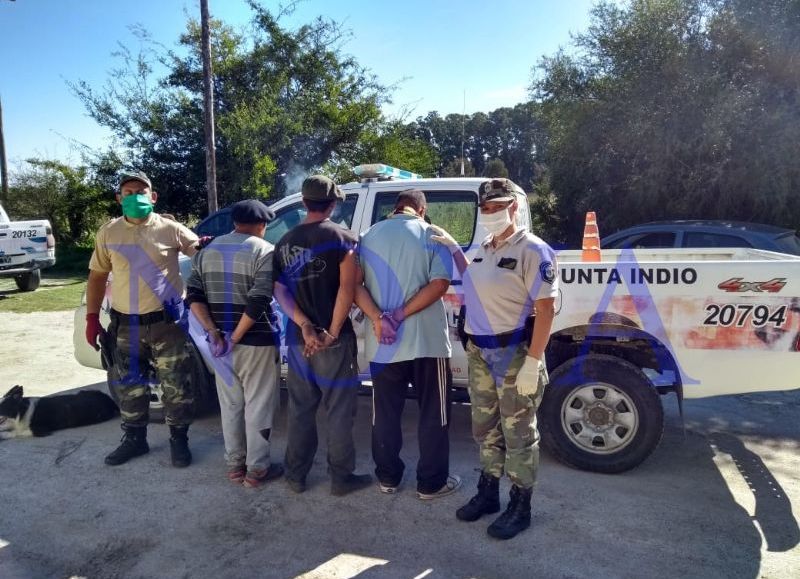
373,170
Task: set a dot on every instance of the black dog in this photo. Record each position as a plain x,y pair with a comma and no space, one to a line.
20,416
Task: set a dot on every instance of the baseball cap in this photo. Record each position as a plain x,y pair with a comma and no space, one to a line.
496,190
134,176
321,188
251,211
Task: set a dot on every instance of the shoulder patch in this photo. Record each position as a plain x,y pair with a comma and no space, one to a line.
547,271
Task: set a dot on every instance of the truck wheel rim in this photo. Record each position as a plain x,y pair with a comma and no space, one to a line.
599,418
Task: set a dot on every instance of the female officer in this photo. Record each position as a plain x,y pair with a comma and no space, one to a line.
512,276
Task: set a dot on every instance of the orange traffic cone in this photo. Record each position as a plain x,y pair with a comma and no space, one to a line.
591,239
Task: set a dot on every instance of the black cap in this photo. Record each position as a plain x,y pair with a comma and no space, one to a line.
134,176
251,211
321,188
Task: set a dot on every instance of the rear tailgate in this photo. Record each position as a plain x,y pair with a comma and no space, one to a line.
25,246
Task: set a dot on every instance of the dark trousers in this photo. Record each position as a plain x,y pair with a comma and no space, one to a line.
329,377
431,380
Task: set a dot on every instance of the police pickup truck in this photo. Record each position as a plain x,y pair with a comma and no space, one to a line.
638,325
26,247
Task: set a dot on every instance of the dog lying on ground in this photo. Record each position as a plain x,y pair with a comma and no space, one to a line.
21,416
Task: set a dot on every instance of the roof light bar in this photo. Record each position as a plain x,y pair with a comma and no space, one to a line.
380,170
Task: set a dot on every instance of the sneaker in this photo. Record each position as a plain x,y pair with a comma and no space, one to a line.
451,486
257,478
388,489
236,474
351,483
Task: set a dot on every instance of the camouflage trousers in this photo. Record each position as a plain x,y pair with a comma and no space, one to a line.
503,421
147,354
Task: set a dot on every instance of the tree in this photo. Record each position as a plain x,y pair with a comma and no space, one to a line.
495,168
285,101
513,135
76,200
676,109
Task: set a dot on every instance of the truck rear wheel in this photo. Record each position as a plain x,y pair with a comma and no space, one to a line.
28,282
601,414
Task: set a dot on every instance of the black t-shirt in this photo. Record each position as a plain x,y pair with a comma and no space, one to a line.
306,260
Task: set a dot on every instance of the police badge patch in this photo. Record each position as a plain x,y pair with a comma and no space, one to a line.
547,271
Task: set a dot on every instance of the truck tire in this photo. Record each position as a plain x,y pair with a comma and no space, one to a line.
28,282
601,414
205,390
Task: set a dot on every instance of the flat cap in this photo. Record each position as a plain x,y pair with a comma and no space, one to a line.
251,211
496,190
134,176
321,188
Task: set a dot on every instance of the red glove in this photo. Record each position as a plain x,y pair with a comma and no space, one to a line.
93,330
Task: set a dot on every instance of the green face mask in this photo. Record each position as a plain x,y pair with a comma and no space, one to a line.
137,206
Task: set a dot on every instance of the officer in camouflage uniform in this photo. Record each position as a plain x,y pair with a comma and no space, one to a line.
512,277
141,248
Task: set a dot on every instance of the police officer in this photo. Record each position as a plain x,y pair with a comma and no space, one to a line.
141,248
512,277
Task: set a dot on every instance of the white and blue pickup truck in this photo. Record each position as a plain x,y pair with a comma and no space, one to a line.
636,326
26,247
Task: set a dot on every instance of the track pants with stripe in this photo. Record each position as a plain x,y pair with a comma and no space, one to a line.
431,380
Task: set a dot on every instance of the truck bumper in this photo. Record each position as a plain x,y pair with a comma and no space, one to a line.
15,269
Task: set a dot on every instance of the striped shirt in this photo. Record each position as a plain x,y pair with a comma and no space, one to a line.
233,275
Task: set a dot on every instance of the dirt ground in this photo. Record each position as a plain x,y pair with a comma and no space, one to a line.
715,501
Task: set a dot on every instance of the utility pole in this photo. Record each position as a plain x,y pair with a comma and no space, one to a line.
3,162
208,104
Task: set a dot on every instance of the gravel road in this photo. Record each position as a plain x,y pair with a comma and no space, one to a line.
715,501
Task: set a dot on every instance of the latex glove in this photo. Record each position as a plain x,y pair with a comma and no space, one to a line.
93,330
528,379
444,238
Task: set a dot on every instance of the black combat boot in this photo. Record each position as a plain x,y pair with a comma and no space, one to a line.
516,518
486,502
134,443
179,446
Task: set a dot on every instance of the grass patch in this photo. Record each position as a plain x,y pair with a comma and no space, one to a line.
54,294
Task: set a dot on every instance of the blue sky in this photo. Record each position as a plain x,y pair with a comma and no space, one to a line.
434,50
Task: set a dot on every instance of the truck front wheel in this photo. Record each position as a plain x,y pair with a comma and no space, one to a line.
600,414
28,282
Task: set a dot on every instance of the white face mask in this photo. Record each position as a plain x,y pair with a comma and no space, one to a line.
495,223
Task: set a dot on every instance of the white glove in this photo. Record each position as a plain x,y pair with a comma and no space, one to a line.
444,238
529,375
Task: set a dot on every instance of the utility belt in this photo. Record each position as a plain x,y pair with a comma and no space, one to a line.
141,319
499,340
512,338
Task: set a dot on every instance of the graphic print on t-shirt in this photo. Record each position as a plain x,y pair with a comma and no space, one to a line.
295,258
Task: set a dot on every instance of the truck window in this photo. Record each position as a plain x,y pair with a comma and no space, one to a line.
218,224
288,217
699,239
455,211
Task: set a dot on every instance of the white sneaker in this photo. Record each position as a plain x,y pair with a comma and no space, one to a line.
388,489
451,486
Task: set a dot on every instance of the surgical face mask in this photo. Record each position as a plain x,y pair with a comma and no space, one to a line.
137,205
495,223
